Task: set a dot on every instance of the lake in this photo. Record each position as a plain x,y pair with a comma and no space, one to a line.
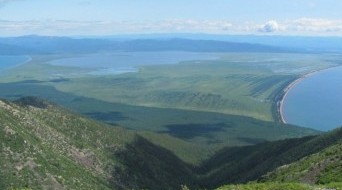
7,61
121,62
316,101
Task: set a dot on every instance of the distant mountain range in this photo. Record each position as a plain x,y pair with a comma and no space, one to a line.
300,43
48,45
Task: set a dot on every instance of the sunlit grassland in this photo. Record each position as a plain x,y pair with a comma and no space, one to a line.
198,105
238,84
192,108
243,84
189,134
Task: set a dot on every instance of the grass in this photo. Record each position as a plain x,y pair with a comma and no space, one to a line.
237,83
41,149
245,84
201,106
44,146
324,167
183,113
207,131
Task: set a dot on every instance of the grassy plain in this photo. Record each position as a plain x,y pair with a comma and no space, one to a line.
237,83
192,135
228,85
197,106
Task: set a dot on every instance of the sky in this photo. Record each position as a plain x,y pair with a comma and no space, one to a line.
112,17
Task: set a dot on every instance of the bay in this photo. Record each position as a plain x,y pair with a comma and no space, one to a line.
316,101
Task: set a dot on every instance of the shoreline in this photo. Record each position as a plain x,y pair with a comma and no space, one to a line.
28,60
287,89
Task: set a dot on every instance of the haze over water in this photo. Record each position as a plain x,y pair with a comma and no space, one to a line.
8,61
316,101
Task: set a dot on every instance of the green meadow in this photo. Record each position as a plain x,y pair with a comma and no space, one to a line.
236,83
194,106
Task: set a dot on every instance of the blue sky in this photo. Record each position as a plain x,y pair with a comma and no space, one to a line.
109,17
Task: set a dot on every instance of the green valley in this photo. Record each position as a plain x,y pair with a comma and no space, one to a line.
240,84
112,116
170,95
208,104
43,145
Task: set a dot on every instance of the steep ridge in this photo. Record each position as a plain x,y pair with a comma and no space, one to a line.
318,171
240,165
43,146
50,147
323,167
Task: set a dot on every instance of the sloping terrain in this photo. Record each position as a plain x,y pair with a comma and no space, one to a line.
201,131
323,167
44,146
241,165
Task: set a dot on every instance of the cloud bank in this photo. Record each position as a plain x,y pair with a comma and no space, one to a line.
300,26
314,25
69,27
303,26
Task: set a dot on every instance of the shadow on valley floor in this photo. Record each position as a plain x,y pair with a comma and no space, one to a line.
189,131
108,117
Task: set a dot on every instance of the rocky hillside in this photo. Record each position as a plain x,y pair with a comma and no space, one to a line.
43,146
323,167
318,171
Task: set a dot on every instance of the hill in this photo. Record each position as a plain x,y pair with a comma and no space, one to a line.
43,146
322,170
241,165
324,167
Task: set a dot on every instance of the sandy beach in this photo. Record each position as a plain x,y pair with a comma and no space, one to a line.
287,90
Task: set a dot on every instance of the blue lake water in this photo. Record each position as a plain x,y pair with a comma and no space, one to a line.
316,101
121,62
7,62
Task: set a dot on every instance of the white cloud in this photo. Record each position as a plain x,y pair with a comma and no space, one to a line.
68,27
315,25
188,25
270,26
301,26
